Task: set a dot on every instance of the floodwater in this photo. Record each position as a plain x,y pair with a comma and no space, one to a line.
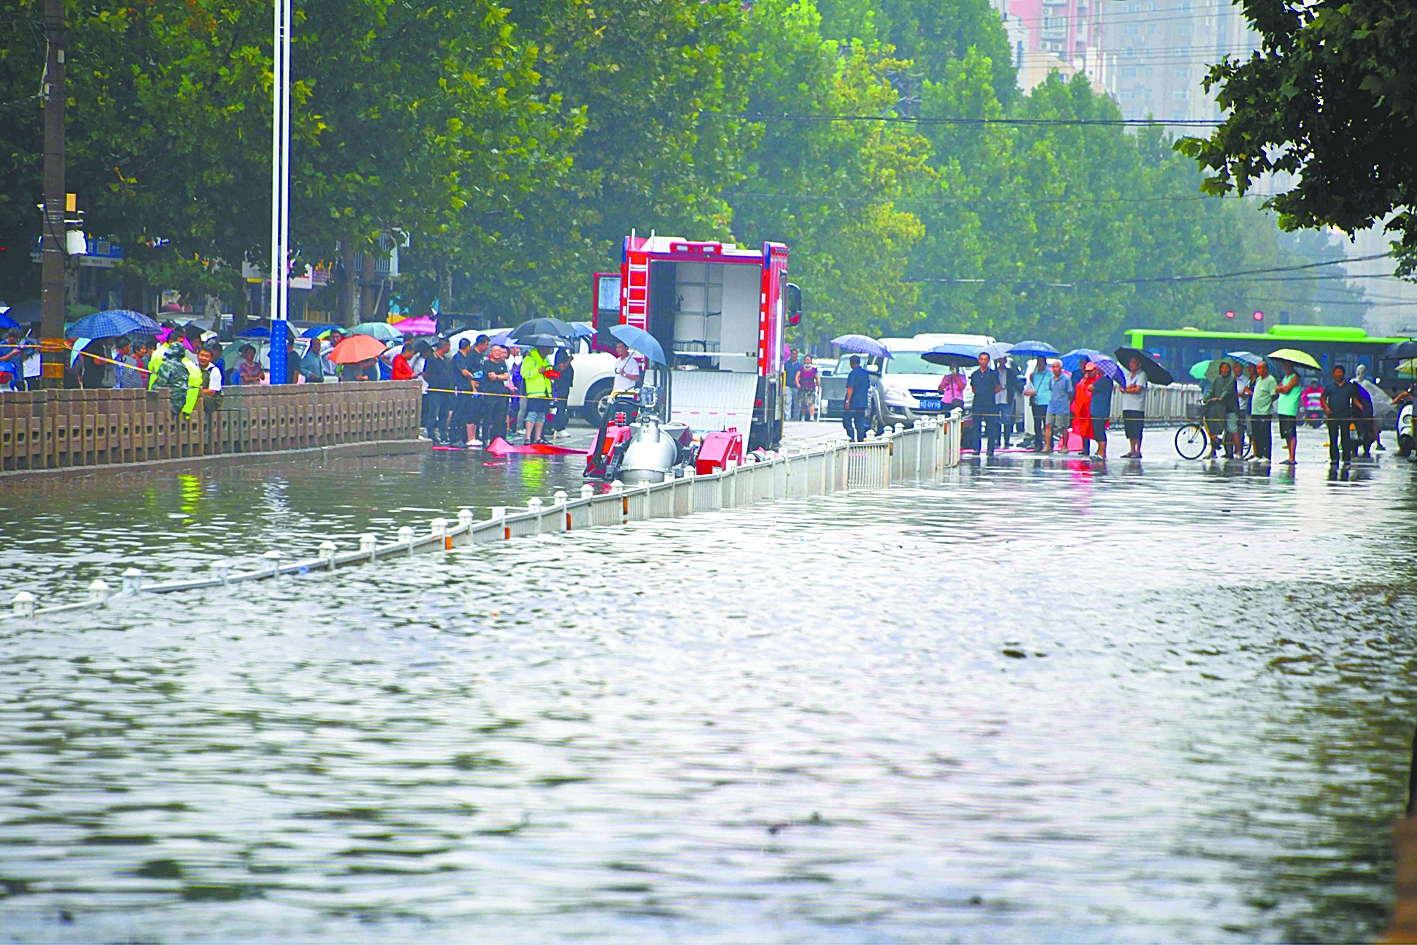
1033,701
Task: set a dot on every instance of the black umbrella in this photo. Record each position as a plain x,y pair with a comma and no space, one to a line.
1155,373
544,326
539,341
1400,351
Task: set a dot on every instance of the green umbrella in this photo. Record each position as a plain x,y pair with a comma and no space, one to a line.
1199,369
381,330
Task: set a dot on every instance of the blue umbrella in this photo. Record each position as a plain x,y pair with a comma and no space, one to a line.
1034,349
862,345
7,322
637,339
502,339
582,330
953,354
1075,358
315,331
26,312
1244,357
111,324
255,331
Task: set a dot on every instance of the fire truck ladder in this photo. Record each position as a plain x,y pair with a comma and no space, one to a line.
637,293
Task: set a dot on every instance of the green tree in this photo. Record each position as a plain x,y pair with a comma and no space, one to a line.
829,190
1332,100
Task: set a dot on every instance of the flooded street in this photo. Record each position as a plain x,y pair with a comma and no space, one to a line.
1035,700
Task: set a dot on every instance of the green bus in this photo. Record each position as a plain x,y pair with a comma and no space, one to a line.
1178,349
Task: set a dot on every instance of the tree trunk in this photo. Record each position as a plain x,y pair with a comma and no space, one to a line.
369,298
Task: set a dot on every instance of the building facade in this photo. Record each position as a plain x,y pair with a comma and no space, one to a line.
1163,50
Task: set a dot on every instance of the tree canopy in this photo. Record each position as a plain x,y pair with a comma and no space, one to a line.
1330,98
513,149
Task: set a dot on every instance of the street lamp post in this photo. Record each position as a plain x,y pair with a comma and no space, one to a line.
280,191
53,239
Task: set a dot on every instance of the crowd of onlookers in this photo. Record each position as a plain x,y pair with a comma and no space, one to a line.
484,391
473,395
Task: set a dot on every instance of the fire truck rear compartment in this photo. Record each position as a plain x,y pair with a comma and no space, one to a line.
706,313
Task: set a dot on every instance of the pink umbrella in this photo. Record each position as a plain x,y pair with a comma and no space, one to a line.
422,325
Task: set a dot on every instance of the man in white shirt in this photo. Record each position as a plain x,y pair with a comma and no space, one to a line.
1134,406
627,369
211,380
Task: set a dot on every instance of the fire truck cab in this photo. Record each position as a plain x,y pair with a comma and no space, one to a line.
719,311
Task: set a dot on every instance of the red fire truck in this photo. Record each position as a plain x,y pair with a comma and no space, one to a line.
719,311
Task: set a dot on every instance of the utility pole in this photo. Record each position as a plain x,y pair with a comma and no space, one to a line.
280,191
54,237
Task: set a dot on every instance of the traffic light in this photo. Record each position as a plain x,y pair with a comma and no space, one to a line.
1259,322
1259,316
1230,315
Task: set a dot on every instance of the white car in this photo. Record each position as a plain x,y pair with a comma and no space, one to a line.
908,384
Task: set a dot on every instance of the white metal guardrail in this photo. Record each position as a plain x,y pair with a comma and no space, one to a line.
917,454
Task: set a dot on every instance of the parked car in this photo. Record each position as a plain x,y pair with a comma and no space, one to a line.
905,386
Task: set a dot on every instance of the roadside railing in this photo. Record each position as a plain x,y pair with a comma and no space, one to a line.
918,454
57,429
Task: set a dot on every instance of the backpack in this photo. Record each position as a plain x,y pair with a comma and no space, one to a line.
174,376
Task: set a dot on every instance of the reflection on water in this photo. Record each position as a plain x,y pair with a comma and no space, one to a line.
64,534
1052,702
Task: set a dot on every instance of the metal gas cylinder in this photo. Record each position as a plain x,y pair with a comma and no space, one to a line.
650,454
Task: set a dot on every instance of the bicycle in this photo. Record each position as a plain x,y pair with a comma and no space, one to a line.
1193,440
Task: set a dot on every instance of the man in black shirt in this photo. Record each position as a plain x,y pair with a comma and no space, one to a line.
467,371
1338,404
438,372
986,386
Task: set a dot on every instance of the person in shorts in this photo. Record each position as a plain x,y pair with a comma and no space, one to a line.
1262,395
1060,401
1286,407
1134,406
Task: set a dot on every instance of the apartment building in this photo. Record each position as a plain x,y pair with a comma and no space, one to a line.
1164,48
1063,36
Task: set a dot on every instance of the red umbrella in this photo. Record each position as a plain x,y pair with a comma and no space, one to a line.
356,348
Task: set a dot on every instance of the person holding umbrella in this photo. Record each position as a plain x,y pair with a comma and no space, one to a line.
858,392
987,386
628,370
1134,405
951,389
1100,407
1286,405
1082,403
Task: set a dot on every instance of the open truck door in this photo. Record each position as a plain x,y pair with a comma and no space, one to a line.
717,309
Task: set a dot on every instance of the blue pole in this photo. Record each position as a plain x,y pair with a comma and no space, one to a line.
280,331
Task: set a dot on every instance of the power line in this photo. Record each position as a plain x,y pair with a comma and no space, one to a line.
1172,280
988,201
908,120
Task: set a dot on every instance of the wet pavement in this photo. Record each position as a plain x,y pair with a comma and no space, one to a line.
1037,700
